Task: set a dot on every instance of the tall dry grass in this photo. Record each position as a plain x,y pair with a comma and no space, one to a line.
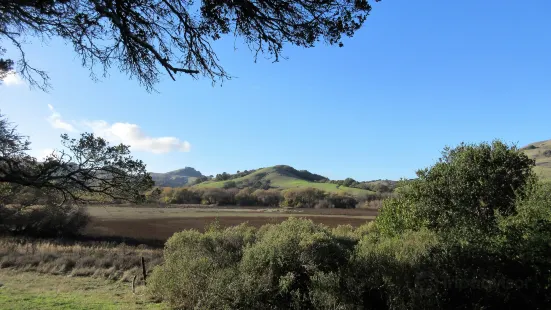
104,260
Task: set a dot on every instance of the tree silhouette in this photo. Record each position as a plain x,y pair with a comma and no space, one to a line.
88,167
146,37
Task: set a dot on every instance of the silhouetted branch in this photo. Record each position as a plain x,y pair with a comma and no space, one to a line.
145,35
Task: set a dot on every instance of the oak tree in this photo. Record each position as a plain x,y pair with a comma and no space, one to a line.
147,37
87,168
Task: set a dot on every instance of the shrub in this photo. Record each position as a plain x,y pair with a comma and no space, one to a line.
200,270
341,200
185,196
288,265
270,197
245,197
42,221
218,196
302,197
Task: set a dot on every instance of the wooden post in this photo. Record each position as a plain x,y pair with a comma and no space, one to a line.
144,272
134,284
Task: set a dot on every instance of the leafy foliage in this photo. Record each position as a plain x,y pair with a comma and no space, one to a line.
270,197
303,197
297,265
42,221
148,36
465,189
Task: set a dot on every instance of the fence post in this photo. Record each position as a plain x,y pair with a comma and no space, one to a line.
134,285
144,272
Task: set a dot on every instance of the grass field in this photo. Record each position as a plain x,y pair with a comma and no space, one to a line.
161,223
283,180
31,290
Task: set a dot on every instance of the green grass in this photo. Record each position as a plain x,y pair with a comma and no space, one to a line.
282,180
29,290
543,163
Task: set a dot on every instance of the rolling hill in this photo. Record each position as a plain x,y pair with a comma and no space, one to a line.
176,178
285,177
541,152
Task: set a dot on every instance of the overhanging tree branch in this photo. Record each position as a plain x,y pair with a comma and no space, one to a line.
145,35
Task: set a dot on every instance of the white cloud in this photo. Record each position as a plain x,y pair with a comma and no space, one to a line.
57,122
12,79
133,135
126,133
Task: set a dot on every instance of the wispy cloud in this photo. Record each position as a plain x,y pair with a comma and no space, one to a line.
133,135
12,79
57,122
126,133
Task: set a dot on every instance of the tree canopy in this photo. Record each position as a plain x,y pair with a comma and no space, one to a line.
146,37
87,166
468,187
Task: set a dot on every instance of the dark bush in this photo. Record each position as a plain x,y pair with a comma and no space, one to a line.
185,196
42,221
302,197
218,196
245,197
341,200
270,197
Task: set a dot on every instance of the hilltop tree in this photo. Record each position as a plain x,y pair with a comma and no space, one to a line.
88,166
349,182
144,38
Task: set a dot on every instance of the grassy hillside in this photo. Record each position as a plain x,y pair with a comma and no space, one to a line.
285,177
541,152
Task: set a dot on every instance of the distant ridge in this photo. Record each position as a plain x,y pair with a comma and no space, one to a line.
285,177
176,178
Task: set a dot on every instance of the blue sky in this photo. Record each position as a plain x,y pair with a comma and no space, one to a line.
419,76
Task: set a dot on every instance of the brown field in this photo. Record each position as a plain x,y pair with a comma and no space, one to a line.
156,223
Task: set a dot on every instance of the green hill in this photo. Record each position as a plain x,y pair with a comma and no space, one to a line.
541,152
285,177
176,178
